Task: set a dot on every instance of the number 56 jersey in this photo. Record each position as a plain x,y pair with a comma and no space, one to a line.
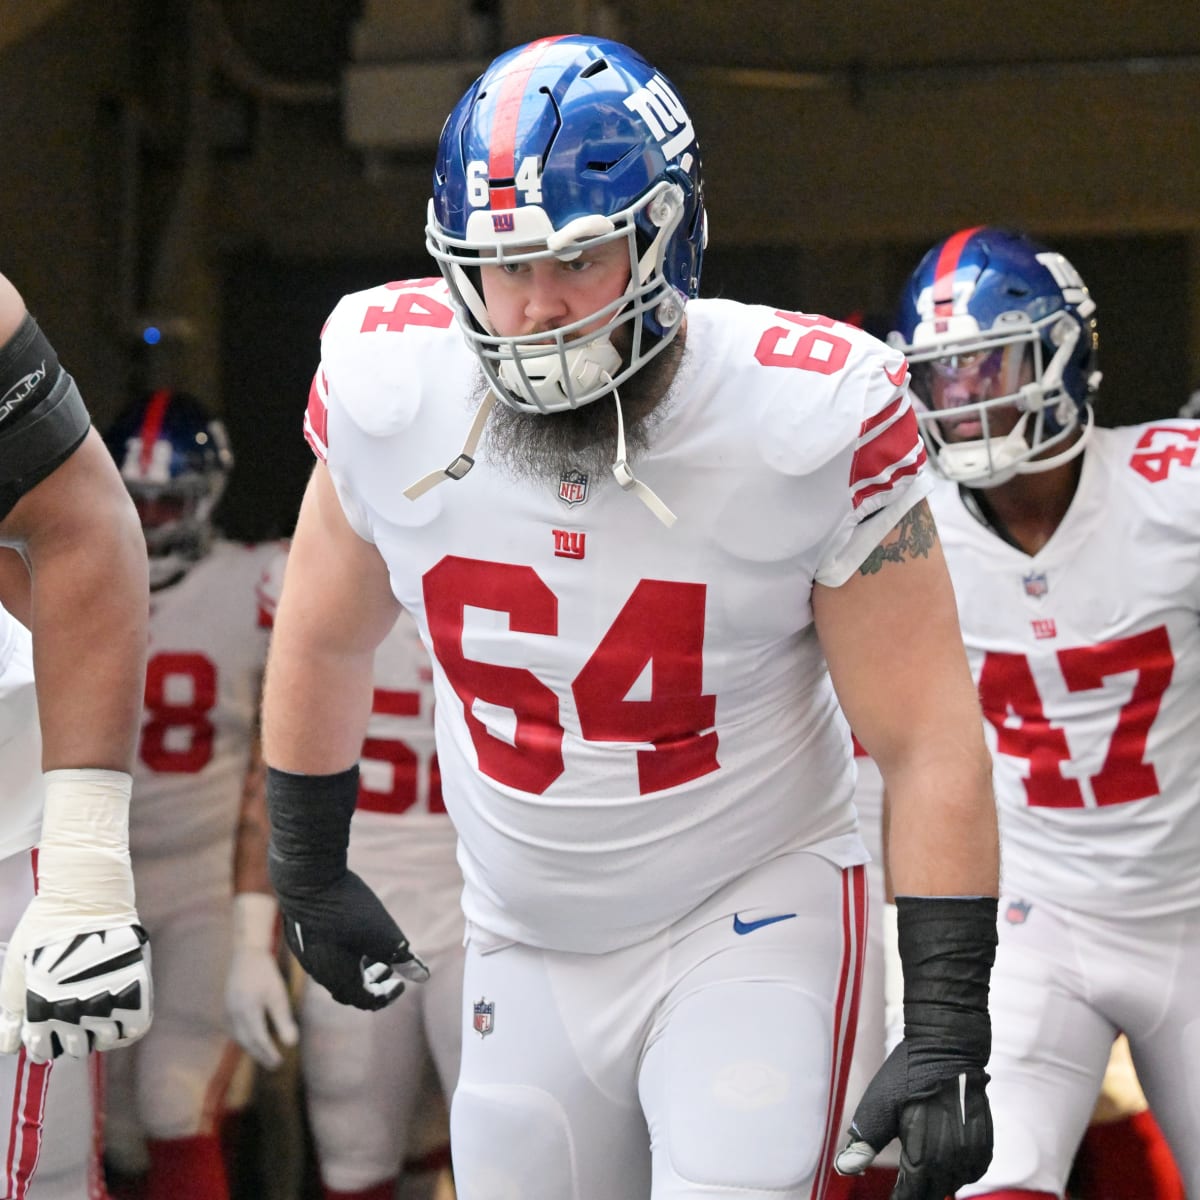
1087,656
628,716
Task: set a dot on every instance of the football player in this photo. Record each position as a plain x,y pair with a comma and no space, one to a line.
1074,554
207,647
76,959
363,1071
677,534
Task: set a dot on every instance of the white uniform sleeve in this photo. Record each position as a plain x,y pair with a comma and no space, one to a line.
317,420
888,474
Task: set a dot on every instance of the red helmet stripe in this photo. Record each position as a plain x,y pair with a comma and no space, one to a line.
156,411
943,273
502,154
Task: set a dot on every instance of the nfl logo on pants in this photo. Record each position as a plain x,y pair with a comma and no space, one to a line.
485,1015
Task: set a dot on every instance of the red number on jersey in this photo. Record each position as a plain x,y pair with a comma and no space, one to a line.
403,760
825,353
660,626
1007,690
1125,776
1154,462
410,308
177,736
533,760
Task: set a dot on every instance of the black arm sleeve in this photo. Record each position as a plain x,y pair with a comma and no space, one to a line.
42,415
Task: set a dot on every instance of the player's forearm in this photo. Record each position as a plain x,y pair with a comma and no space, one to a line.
89,620
250,846
942,832
315,705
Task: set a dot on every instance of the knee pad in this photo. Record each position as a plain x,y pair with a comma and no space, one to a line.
745,1092
511,1142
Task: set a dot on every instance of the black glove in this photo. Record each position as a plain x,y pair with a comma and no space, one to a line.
931,1091
337,928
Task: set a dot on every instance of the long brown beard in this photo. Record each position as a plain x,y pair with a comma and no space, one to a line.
539,447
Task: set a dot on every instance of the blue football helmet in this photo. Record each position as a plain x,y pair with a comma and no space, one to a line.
175,460
1000,334
561,145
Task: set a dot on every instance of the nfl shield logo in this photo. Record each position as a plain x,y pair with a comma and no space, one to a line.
1036,584
1018,911
573,487
485,1016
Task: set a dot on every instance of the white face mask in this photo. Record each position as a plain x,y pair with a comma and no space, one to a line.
567,367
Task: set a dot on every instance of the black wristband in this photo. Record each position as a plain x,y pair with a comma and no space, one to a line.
947,947
310,828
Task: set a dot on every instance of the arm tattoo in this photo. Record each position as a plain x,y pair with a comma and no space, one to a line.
912,538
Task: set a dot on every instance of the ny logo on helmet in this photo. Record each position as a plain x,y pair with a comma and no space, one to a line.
664,113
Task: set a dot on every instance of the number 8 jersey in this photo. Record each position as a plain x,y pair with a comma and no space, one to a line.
1087,656
628,716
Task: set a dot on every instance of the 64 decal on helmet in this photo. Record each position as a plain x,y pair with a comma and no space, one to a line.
485,1016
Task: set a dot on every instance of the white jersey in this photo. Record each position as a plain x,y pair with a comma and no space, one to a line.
20,740
1087,656
628,716
400,790
203,676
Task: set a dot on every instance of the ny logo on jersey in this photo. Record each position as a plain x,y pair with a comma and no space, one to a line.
485,1016
568,543
1044,627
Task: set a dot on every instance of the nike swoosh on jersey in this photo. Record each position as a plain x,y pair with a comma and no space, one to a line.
744,927
898,378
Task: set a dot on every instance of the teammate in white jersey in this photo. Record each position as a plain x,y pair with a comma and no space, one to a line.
207,648
363,1071
1074,554
635,662
76,961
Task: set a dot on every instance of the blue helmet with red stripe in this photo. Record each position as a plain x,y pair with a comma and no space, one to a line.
564,144
1000,333
175,460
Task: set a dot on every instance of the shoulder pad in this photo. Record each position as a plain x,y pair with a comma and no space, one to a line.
373,347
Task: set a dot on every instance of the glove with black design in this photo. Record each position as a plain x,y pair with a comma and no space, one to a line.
335,925
77,967
931,1091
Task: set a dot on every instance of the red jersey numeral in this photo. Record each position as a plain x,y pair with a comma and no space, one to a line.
1007,691
1154,462
816,350
401,758
410,308
661,626
660,630
177,735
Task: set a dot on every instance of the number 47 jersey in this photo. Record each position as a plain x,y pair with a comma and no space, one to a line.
1087,656
628,716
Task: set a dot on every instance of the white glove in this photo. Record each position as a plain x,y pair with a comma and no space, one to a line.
77,968
255,988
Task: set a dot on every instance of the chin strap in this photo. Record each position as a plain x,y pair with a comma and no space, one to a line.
465,461
628,481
